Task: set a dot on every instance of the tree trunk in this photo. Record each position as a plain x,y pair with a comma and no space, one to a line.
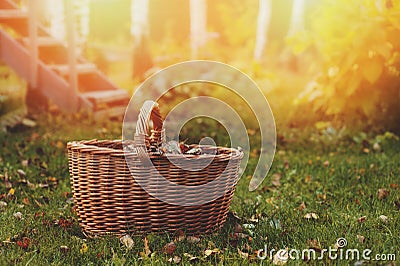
297,21
198,25
264,18
142,59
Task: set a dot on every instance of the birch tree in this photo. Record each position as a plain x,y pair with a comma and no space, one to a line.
198,25
297,18
263,22
142,60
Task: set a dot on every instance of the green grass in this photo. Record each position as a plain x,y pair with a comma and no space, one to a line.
336,178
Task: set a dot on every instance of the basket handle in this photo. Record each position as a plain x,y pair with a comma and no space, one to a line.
149,111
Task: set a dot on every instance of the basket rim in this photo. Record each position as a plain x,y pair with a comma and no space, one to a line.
89,146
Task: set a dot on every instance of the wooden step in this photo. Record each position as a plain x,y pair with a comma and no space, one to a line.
43,41
106,96
118,111
12,13
80,68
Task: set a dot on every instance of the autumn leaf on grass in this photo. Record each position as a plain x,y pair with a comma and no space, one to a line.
276,180
190,257
313,244
242,254
311,215
175,259
193,239
179,236
24,243
127,241
362,219
18,215
360,239
64,249
11,193
209,252
21,173
397,204
302,206
384,218
169,248
84,248
147,250
281,257
383,193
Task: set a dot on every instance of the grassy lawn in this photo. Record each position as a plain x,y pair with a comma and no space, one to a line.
346,186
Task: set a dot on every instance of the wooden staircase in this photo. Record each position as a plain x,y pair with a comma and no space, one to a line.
45,63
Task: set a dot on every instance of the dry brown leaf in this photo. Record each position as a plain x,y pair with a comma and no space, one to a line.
24,163
193,239
64,249
7,183
362,219
308,179
190,257
208,252
26,201
11,192
242,254
127,241
361,239
240,235
376,146
179,236
147,250
383,193
169,248
175,259
84,248
281,257
384,218
21,173
18,215
276,180
397,204
302,206
313,244
311,215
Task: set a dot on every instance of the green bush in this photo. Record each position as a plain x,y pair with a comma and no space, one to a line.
358,51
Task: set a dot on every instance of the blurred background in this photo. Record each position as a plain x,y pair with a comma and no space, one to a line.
322,64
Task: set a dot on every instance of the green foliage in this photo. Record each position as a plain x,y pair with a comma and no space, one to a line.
359,75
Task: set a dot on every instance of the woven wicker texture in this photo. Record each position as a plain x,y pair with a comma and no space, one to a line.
109,199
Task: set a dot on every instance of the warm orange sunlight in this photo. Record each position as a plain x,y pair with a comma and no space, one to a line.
199,132
301,52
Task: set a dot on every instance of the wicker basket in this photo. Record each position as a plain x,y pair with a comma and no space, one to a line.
109,199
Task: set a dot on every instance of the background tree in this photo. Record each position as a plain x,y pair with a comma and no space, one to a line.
263,21
142,59
198,25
